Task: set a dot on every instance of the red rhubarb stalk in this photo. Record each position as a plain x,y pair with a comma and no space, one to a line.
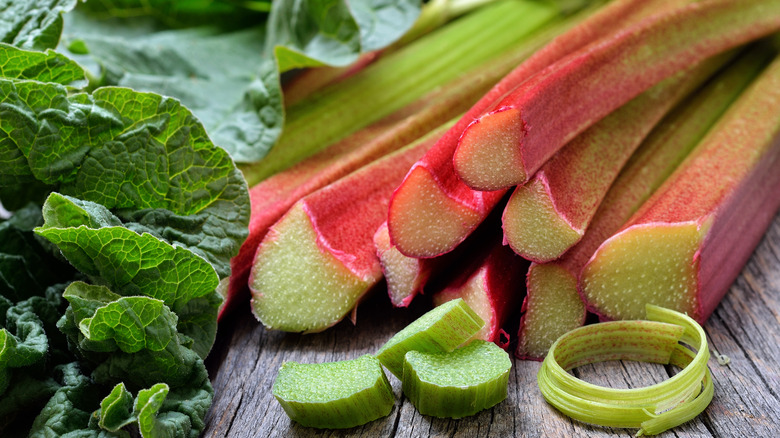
432,211
272,197
552,305
689,241
549,214
318,260
507,146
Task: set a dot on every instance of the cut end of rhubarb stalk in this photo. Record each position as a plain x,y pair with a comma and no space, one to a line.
442,329
533,227
488,156
334,395
404,275
473,293
552,307
295,285
459,383
423,221
652,263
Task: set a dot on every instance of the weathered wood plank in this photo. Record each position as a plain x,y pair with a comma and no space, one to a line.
746,327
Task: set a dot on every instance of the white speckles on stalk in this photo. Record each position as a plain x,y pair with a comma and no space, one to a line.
297,286
644,264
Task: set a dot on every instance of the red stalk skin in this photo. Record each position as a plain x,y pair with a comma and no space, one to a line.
577,177
728,191
436,167
346,214
272,197
554,106
499,274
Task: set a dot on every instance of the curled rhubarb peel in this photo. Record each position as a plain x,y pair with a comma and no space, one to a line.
552,305
652,409
440,330
547,111
685,246
334,395
459,383
433,211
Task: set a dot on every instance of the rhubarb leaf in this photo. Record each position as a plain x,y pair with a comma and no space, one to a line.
140,154
135,264
190,64
33,24
305,33
49,66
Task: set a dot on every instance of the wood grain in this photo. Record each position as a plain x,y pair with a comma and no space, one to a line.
745,327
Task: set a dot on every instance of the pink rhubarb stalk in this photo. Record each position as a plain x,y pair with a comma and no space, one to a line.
507,146
552,305
272,197
432,211
689,241
549,214
318,260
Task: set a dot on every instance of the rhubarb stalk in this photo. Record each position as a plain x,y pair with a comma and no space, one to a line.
688,242
549,214
432,211
552,305
507,146
272,197
318,260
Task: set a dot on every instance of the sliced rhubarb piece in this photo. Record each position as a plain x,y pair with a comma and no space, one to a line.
459,383
684,247
439,330
398,79
433,211
547,111
549,214
334,395
272,197
318,260
552,305
492,283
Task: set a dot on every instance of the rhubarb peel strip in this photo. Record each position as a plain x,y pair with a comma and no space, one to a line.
652,409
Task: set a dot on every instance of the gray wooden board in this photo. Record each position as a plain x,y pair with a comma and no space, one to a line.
745,327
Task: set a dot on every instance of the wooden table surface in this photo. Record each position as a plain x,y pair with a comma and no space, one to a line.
745,327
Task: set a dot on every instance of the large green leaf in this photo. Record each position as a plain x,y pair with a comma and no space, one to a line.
240,106
304,33
233,103
141,154
32,24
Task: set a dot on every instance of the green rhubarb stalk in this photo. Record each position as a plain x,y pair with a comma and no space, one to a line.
399,79
440,330
654,408
459,383
334,395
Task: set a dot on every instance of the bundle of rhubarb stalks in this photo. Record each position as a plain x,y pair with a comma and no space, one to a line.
526,159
